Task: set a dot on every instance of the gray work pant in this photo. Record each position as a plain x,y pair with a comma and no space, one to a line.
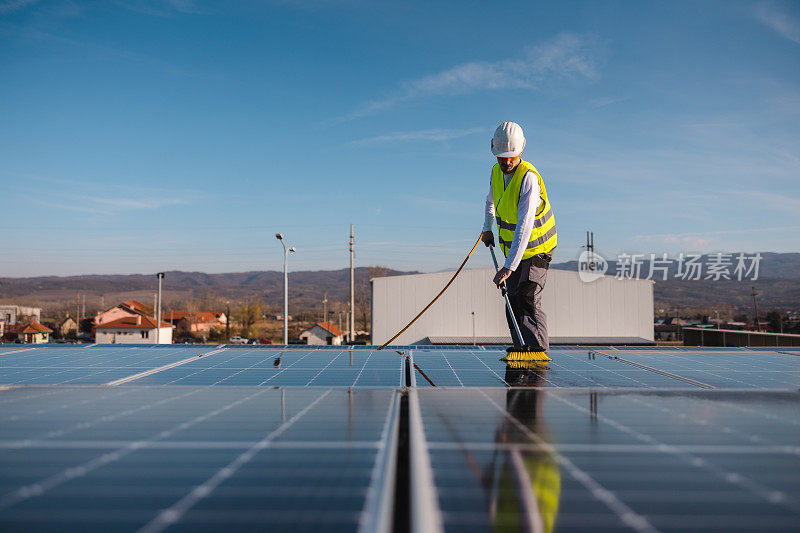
525,287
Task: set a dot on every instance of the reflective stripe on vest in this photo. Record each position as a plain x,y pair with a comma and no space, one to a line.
536,222
544,236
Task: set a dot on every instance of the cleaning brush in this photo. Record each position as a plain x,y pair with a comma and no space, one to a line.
515,364
525,353
518,352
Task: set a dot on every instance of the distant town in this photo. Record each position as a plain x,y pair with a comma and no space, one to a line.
133,322
247,307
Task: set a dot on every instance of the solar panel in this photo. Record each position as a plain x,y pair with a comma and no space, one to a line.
654,439
724,369
149,457
309,367
89,364
569,368
613,460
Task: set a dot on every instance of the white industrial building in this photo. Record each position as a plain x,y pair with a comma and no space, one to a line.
323,333
604,311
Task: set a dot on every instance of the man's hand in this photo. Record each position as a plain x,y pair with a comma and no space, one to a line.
488,238
501,276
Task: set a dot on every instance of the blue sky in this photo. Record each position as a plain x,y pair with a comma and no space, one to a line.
138,136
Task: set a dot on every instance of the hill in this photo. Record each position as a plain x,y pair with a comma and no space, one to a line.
180,289
778,284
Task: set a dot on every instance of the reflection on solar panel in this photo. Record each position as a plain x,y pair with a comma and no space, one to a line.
630,460
156,438
123,458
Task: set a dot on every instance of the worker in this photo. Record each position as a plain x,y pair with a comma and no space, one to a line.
526,232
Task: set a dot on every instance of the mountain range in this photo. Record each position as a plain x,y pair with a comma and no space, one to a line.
778,285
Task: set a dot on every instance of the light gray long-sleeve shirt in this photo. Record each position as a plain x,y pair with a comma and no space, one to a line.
529,200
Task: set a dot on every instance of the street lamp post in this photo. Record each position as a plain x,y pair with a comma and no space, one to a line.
160,276
285,288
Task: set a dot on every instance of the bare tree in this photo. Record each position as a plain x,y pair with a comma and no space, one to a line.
247,315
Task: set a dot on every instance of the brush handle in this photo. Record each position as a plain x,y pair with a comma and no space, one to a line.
518,341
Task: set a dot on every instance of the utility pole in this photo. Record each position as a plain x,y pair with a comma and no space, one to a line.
325,307
228,322
590,249
473,328
352,321
755,306
160,276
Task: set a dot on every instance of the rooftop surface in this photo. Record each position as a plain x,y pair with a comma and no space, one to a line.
152,438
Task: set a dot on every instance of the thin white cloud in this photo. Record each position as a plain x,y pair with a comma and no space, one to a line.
419,135
770,201
69,207
676,237
7,6
161,8
107,206
121,190
113,198
691,242
565,56
440,205
314,5
775,18
122,204
707,241
602,102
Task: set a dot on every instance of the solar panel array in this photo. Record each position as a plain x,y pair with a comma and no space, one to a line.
644,461
152,438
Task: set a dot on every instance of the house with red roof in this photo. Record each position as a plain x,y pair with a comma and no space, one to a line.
136,329
196,321
34,333
130,308
322,333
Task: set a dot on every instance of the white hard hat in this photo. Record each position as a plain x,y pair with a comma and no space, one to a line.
508,140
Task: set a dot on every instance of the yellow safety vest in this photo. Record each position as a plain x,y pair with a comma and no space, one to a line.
506,200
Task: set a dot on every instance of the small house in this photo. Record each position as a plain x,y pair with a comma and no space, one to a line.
322,333
68,326
35,333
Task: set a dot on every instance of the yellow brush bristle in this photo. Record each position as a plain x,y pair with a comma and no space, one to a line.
526,356
526,365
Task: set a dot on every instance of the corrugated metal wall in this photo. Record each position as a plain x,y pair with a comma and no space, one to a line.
607,307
